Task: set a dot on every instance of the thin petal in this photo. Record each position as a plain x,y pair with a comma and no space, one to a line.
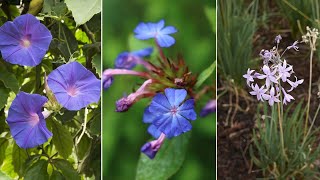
169,30
175,96
159,104
187,110
165,40
143,52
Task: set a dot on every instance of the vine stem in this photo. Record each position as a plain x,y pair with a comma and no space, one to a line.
309,92
84,125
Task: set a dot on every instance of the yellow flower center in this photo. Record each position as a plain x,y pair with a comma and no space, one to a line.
26,43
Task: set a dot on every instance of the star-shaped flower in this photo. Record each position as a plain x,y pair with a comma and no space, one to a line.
287,97
294,84
259,92
272,97
24,41
170,114
284,71
156,30
268,75
248,76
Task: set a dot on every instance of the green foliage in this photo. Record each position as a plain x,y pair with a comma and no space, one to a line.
205,74
167,162
83,11
37,171
236,27
295,160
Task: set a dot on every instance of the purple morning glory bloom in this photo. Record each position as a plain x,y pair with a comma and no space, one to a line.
26,121
128,60
74,86
171,114
210,107
156,30
151,148
24,41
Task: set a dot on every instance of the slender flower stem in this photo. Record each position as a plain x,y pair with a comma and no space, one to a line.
309,92
84,125
163,57
141,91
146,64
281,132
111,72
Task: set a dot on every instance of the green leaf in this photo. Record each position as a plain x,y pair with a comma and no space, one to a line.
37,171
96,62
19,157
61,138
66,168
205,74
83,10
167,162
95,121
211,15
8,79
4,94
56,175
83,146
3,146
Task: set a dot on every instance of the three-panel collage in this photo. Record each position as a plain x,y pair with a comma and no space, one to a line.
157,90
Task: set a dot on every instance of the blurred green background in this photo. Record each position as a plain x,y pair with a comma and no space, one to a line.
125,133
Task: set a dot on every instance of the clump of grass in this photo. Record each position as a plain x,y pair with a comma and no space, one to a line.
236,27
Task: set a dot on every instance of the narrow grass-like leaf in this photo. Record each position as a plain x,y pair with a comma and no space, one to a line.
205,74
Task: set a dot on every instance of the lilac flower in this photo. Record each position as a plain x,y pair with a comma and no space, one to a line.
24,41
272,98
278,39
294,84
151,148
259,92
287,97
26,121
266,55
74,86
248,76
294,46
284,71
210,107
156,30
171,114
128,60
268,75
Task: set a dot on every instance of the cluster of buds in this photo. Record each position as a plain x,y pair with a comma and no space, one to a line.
276,74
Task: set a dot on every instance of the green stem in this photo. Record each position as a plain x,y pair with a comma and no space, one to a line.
309,92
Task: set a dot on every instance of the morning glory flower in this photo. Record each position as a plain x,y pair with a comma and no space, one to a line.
26,120
128,60
248,76
287,97
24,41
268,75
284,71
172,113
259,92
74,86
156,30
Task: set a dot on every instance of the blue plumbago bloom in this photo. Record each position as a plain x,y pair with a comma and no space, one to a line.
210,107
151,148
156,30
26,121
128,60
107,81
74,86
24,41
171,114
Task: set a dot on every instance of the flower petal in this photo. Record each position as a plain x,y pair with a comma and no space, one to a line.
169,30
175,96
165,40
159,104
187,110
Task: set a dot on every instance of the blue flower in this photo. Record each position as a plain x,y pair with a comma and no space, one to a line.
26,121
151,148
210,107
74,86
128,60
24,41
169,114
156,30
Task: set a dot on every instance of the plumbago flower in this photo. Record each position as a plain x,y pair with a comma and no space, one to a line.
74,86
24,41
27,121
169,114
276,74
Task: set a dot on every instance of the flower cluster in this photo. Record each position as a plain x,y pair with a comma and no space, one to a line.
169,113
25,41
276,74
